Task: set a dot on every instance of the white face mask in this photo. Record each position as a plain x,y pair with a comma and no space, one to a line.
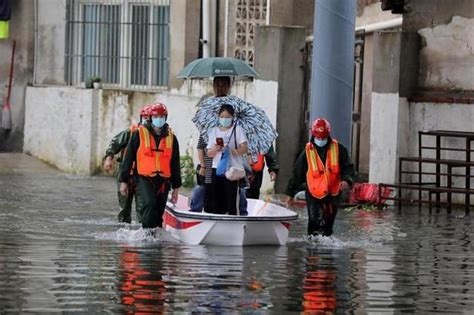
320,143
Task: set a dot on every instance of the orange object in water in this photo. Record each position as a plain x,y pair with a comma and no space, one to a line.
369,193
256,285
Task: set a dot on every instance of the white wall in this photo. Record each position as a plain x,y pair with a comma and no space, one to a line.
51,42
436,116
113,117
71,128
59,127
181,110
395,126
265,95
384,138
447,55
394,133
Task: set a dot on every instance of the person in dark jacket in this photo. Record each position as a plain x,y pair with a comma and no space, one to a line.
117,145
155,151
326,169
257,168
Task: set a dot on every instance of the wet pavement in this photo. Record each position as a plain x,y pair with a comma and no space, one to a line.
61,250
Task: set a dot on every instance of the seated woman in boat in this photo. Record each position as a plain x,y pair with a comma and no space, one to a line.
222,196
198,195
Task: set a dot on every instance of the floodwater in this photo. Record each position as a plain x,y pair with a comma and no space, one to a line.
61,250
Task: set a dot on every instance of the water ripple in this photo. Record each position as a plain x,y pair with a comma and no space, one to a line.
61,250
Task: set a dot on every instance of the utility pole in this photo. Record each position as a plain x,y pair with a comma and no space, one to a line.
333,65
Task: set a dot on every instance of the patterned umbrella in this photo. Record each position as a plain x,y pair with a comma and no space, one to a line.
253,120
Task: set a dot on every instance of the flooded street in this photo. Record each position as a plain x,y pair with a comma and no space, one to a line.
61,249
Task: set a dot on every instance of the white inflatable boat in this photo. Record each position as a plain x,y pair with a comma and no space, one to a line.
266,224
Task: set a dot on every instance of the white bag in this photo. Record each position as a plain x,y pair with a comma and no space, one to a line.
236,168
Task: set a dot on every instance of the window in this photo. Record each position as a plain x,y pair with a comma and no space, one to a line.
249,14
124,42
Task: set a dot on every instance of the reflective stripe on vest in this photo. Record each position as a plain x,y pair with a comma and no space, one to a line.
323,180
152,160
258,166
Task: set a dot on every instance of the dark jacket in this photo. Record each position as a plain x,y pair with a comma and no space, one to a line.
298,181
131,156
118,143
270,160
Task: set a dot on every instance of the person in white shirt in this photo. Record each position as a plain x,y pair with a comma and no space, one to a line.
222,197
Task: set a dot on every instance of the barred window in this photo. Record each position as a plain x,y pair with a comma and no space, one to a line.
124,42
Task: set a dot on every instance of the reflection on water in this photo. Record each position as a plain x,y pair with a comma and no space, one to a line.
142,289
319,285
61,250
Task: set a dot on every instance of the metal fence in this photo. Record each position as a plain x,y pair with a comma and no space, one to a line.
124,42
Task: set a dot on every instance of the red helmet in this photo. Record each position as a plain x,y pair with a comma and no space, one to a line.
158,109
321,128
145,111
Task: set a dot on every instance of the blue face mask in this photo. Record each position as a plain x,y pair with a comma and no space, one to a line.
225,122
320,143
158,121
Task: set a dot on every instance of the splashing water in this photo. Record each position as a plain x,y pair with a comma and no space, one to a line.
130,235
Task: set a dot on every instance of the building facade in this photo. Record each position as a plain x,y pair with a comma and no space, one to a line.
403,63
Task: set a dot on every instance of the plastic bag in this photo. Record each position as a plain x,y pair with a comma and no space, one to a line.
235,167
223,163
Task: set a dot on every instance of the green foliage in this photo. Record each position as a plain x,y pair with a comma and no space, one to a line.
187,170
95,79
90,81
364,207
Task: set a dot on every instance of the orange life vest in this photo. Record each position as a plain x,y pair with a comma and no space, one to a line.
323,180
152,160
258,166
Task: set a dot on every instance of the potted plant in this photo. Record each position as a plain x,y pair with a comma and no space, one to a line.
97,82
93,82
